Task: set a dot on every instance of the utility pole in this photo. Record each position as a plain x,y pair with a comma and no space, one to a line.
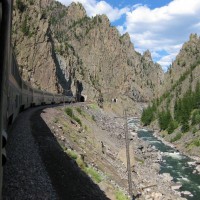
128,155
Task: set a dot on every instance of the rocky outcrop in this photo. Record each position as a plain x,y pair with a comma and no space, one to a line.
180,92
83,55
186,65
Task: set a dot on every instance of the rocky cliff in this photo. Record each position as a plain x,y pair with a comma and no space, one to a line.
177,111
61,49
184,72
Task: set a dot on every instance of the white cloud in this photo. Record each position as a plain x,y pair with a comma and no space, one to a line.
165,61
163,29
94,7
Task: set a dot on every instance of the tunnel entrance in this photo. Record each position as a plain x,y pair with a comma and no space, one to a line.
82,99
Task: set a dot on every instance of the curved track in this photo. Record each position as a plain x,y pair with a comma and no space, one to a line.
37,167
15,94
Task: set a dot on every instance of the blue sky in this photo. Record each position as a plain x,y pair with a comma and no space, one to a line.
162,26
129,3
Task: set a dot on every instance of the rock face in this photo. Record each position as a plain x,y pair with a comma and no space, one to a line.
183,75
184,72
180,81
83,55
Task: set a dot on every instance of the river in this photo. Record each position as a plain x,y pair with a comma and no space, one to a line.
177,165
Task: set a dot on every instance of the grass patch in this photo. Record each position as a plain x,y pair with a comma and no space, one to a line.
94,106
77,120
70,113
96,177
81,163
120,195
72,154
177,137
195,142
139,160
79,111
94,174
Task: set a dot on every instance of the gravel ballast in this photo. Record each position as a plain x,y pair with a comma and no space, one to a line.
25,176
38,168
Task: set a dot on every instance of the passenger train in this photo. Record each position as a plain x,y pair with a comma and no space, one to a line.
15,94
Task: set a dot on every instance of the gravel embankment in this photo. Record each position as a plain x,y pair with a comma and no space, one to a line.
37,167
108,129
25,176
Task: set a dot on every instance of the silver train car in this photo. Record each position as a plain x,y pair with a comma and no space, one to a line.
15,94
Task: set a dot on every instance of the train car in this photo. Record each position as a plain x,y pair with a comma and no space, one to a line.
70,99
38,97
26,96
48,98
16,95
5,61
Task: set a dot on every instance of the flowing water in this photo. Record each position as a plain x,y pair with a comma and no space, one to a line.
174,163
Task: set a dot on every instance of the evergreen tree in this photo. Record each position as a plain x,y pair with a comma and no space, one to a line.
164,120
148,114
172,126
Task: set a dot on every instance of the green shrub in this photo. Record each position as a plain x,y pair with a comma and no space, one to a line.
194,130
72,154
69,111
172,126
79,110
165,119
196,117
77,120
25,27
196,142
177,137
120,196
20,5
94,174
148,115
81,163
185,127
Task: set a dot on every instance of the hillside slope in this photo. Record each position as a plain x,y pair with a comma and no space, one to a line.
177,111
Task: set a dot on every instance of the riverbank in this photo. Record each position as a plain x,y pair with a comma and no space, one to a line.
175,147
183,169
99,139
195,159
187,143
